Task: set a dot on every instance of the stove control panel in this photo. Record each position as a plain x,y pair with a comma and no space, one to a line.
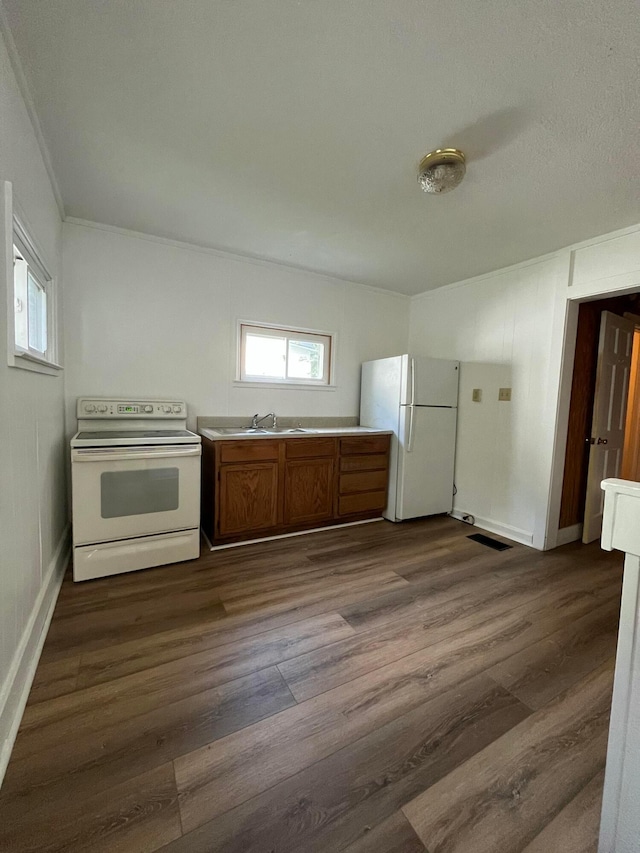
94,407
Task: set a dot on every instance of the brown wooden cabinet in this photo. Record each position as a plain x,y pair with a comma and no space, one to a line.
263,487
248,497
308,480
364,475
308,491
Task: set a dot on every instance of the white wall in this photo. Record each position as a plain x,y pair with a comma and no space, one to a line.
33,514
602,267
516,328
148,318
500,327
145,316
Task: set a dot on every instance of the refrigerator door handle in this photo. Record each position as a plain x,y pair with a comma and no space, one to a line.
413,384
410,441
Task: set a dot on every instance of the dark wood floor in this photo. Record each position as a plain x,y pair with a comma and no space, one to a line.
377,689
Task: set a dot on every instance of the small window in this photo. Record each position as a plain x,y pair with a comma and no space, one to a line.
288,356
33,305
30,295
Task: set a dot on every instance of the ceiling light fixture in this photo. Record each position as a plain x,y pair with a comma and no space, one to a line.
441,170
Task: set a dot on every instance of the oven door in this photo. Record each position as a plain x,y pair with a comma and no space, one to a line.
123,492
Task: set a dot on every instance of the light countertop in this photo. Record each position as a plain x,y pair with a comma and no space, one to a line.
243,434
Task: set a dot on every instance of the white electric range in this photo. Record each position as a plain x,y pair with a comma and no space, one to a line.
135,473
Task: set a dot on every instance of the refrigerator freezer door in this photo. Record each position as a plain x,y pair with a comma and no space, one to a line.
380,393
425,473
429,381
380,408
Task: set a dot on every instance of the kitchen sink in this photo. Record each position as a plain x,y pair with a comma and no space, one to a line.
264,431
261,430
240,430
284,430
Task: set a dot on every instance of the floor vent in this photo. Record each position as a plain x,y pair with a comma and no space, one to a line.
489,542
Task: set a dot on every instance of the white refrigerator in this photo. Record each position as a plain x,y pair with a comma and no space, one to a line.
417,398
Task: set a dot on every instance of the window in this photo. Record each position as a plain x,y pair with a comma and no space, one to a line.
33,344
30,296
284,356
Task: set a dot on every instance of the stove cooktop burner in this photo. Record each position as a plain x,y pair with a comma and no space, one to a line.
133,433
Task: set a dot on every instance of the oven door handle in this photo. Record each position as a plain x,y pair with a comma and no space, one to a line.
121,454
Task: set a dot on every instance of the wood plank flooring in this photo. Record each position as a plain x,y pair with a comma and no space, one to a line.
376,689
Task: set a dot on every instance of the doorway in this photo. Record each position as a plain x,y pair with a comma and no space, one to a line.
630,469
583,390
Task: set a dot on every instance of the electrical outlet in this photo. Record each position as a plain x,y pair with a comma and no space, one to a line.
504,394
477,395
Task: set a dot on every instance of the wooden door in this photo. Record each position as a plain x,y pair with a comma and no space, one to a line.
630,468
609,413
248,499
308,490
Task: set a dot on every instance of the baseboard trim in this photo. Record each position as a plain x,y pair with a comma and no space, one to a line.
14,692
569,534
524,537
288,535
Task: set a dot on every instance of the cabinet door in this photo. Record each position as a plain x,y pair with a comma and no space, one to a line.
248,499
308,490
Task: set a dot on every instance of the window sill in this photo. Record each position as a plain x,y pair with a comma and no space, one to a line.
27,361
283,386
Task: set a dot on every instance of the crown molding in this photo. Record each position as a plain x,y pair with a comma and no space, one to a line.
540,259
230,256
14,59
467,282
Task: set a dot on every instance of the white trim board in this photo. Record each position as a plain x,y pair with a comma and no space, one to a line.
571,249
561,364
569,534
516,534
229,255
287,535
486,276
23,86
14,692
620,822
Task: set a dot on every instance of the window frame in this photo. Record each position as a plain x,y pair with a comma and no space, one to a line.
327,383
17,233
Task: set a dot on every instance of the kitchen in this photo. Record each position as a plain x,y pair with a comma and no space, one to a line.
156,314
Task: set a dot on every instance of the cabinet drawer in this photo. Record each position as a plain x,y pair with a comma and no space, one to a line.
364,462
363,481
365,502
248,451
364,444
299,448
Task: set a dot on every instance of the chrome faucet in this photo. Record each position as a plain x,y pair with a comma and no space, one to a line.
255,420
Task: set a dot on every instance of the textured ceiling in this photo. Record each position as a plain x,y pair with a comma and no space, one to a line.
291,129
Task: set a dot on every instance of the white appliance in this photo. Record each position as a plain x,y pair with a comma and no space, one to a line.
417,398
135,475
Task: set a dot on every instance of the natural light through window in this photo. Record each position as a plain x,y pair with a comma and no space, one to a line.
30,307
32,340
287,356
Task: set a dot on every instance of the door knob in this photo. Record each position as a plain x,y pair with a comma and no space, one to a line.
602,441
